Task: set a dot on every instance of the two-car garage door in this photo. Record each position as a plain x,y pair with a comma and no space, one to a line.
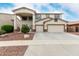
56,28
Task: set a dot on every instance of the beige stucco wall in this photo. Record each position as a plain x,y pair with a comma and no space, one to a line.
42,16
39,28
6,19
51,15
41,21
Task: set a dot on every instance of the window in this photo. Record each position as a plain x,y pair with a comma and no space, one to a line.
30,18
24,17
56,17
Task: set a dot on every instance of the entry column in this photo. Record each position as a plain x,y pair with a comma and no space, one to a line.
15,23
33,25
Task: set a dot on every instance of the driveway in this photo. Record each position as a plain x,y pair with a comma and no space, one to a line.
55,44
55,36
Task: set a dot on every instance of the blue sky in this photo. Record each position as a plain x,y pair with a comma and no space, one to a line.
70,10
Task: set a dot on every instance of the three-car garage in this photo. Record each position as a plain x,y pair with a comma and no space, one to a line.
51,28
50,25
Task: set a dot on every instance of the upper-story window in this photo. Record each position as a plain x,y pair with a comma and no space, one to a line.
57,16
56,19
27,17
24,17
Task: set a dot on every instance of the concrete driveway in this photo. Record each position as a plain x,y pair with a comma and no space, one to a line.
55,36
69,47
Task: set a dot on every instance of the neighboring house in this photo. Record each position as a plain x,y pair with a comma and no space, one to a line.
6,19
73,26
39,22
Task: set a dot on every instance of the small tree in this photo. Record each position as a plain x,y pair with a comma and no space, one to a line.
25,29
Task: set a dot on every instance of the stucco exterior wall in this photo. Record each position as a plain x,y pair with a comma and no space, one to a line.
52,16
6,19
41,21
43,16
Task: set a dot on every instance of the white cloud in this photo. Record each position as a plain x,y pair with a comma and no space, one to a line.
4,10
72,7
17,5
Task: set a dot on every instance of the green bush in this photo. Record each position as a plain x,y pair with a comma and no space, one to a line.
25,29
2,32
7,28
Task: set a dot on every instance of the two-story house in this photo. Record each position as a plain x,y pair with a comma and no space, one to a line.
39,22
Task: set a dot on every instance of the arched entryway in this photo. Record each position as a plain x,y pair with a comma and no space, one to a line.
26,18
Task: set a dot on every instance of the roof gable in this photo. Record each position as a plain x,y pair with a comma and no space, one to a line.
50,19
58,19
44,19
23,8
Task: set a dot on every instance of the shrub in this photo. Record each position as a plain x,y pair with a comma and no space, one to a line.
7,28
2,32
25,29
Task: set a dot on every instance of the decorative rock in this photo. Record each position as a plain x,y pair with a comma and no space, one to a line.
4,35
26,35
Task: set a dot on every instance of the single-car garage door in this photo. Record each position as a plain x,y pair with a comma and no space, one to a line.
39,28
56,28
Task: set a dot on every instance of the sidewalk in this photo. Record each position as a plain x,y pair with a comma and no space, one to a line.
37,42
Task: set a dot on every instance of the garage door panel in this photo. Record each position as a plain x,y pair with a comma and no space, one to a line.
39,28
55,28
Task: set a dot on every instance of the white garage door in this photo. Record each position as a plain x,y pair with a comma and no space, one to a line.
55,28
39,28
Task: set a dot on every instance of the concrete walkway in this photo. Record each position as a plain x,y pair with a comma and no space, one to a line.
54,44
37,42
